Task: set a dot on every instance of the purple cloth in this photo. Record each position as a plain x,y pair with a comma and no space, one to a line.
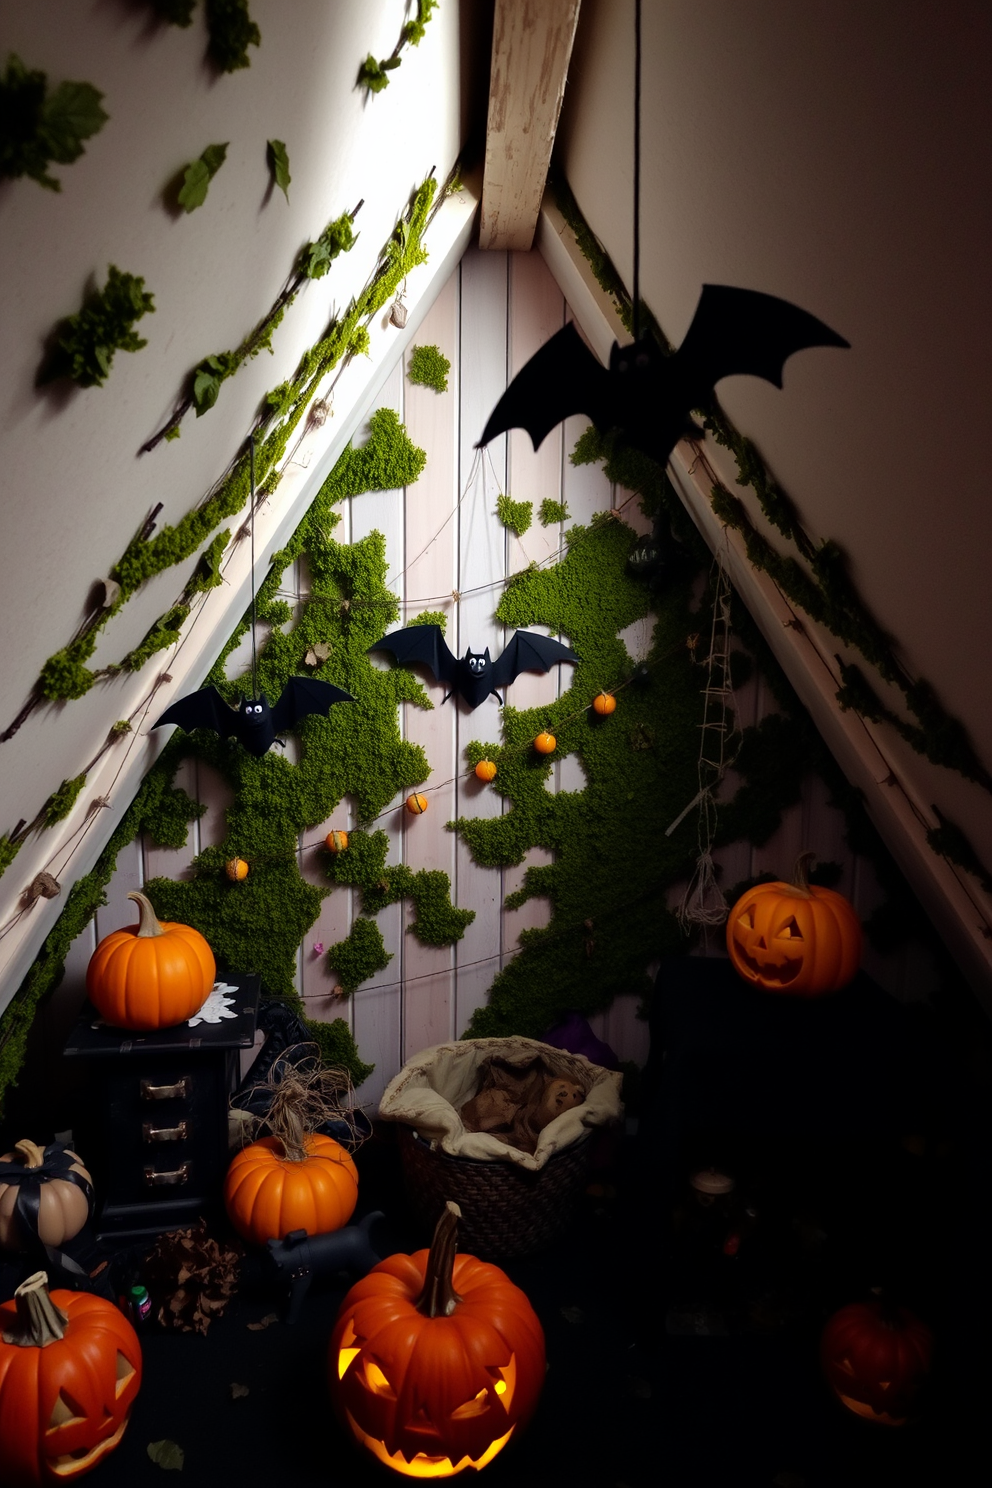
574,1035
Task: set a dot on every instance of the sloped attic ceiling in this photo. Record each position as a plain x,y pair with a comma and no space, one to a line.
815,153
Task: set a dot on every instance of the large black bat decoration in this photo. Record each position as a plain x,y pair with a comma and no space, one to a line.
255,725
475,675
650,396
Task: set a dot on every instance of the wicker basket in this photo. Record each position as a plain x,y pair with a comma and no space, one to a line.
506,1210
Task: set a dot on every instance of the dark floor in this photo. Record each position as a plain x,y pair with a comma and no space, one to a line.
634,1394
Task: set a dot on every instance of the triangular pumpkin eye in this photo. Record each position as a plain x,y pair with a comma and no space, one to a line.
349,1349
65,1410
506,1381
746,916
377,1381
790,930
125,1373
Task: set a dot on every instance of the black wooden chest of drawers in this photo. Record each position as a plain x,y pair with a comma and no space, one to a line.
154,1127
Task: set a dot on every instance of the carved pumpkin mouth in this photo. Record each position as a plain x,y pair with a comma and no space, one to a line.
76,1463
769,970
422,1465
868,1412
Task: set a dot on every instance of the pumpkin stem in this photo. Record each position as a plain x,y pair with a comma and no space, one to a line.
39,1321
800,874
439,1298
148,925
30,1153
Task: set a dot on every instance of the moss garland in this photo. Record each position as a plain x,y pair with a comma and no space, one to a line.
373,76
256,926
65,675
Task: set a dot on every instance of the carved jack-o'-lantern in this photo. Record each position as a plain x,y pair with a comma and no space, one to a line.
876,1358
795,938
436,1359
70,1368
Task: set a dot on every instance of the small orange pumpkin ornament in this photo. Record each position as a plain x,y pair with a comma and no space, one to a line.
876,1358
485,771
336,841
296,1178
794,938
70,1368
604,703
545,743
63,1202
150,975
436,1359
236,869
416,805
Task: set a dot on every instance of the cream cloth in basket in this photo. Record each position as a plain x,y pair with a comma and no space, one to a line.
431,1089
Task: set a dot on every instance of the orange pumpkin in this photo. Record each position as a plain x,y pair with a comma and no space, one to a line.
63,1204
268,1192
336,841
485,771
876,1358
794,938
436,1359
236,869
416,805
70,1368
150,975
604,703
545,743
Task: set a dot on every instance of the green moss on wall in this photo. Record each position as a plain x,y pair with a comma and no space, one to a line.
61,802
516,516
429,367
359,956
552,512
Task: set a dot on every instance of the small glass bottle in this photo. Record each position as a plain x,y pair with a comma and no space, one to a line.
136,1304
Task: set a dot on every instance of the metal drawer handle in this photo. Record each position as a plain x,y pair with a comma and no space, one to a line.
154,1179
165,1133
165,1092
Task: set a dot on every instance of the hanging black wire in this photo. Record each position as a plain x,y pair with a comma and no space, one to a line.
637,170
254,658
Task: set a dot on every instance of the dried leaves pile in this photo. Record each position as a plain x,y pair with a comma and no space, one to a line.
191,1278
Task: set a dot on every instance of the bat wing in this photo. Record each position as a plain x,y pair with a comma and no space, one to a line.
423,643
302,696
563,377
527,651
203,709
742,330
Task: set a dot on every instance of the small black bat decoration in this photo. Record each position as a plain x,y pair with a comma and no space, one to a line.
475,675
255,725
650,396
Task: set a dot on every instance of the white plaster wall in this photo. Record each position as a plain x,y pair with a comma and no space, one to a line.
74,488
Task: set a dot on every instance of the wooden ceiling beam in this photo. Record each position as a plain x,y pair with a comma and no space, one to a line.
532,44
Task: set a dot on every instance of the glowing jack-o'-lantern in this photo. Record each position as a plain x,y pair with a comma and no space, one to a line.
876,1358
436,1359
70,1368
795,938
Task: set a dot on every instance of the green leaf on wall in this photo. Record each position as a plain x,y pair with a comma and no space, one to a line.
198,175
279,165
37,127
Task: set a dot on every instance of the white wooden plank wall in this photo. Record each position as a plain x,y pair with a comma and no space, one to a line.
447,551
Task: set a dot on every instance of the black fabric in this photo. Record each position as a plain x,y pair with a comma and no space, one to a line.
57,1162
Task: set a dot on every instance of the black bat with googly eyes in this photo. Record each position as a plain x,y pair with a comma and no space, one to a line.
254,724
475,675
